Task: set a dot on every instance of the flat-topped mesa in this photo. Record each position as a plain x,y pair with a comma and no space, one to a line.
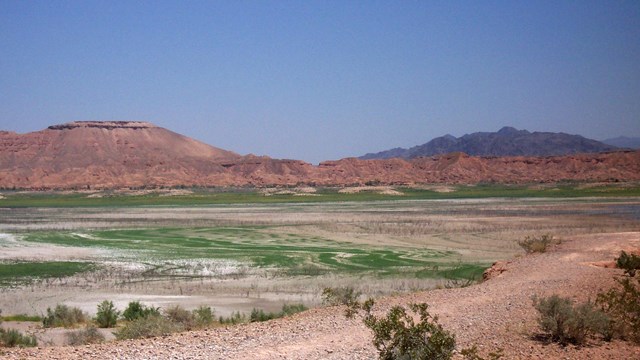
109,125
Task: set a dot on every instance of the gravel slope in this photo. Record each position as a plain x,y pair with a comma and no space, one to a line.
495,314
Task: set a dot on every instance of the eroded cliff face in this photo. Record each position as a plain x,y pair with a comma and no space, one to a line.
118,154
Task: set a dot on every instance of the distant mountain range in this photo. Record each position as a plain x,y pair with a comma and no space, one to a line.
132,154
508,141
624,142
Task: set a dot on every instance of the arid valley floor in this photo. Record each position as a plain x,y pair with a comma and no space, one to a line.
245,256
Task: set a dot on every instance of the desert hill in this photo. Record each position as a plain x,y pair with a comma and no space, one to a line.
114,154
106,154
507,141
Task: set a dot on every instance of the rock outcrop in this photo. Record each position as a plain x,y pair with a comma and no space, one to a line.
115,154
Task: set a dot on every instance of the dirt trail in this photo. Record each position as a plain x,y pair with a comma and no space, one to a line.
495,314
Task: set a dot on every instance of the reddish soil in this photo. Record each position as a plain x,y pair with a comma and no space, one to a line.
497,313
103,155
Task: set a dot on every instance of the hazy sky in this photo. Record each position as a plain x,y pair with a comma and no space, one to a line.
320,80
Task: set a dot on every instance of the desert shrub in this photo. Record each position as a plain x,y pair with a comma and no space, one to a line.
63,316
258,315
629,262
203,316
88,335
137,310
13,337
458,283
342,296
566,323
290,309
537,244
398,336
234,318
107,315
622,304
146,327
180,316
472,354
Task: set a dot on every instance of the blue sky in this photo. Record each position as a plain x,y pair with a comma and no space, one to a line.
320,80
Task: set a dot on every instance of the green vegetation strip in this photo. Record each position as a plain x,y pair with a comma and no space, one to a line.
253,196
24,272
22,317
290,254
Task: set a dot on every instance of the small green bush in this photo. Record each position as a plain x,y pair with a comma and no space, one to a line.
147,327
107,315
203,316
622,304
137,310
180,316
290,309
13,338
398,336
535,244
629,262
63,316
258,315
566,323
234,318
88,335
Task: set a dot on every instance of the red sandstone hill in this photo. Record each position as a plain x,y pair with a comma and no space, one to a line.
120,154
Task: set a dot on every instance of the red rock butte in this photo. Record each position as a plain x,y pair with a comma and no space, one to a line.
120,154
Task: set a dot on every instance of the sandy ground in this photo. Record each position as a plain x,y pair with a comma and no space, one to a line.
495,314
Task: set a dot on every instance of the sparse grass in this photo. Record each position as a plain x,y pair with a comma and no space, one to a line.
22,317
18,273
88,335
147,327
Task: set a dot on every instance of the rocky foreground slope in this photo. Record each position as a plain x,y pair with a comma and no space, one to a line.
495,314
120,154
